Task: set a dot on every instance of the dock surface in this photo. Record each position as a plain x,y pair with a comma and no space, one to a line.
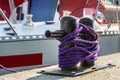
112,73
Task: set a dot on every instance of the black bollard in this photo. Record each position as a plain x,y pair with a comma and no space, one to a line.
85,36
67,25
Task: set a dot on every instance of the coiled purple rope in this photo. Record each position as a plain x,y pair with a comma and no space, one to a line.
72,49
7,69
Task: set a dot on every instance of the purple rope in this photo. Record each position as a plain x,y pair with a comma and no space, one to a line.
72,49
7,69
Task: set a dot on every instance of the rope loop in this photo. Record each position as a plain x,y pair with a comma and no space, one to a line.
73,49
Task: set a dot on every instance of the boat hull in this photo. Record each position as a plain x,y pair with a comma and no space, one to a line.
47,49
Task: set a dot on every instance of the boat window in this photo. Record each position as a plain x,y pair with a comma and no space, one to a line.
42,10
111,2
111,15
117,2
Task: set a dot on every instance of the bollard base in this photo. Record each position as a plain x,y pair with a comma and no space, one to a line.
73,73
